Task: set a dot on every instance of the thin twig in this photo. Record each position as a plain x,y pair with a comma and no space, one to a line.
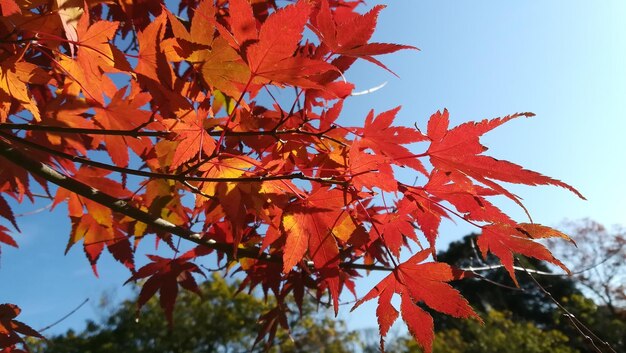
65,316
36,211
578,325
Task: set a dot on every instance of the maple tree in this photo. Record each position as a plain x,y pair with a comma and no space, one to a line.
185,104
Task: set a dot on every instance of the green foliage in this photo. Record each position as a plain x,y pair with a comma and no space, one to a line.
607,326
221,321
499,334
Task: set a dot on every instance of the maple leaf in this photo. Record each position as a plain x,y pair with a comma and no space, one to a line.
7,213
6,238
9,7
70,12
387,140
154,72
242,23
459,149
468,198
95,52
65,111
151,60
418,283
164,275
308,225
224,168
395,227
97,233
96,227
370,171
221,66
15,76
272,56
192,135
425,210
348,33
123,114
95,57
10,329
504,240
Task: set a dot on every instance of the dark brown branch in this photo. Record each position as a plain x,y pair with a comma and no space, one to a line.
178,177
135,133
46,172
75,130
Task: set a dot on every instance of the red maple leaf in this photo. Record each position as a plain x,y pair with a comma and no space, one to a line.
164,275
9,7
7,213
459,149
274,57
469,199
370,171
96,56
387,140
10,329
504,240
6,238
395,227
347,33
94,223
308,225
418,283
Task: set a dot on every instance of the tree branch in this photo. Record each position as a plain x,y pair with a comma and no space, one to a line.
177,177
585,331
135,133
121,206
46,172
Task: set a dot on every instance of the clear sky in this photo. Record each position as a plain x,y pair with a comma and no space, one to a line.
564,60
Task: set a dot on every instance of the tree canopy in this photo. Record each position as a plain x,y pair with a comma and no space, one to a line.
534,318
221,320
216,127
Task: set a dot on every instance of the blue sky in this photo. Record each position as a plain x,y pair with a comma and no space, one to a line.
562,60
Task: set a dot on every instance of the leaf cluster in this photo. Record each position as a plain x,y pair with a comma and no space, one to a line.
219,128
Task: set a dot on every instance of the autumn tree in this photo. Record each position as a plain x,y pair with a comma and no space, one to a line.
221,320
214,126
491,288
599,264
500,333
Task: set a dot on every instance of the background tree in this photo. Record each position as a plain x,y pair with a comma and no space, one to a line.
524,318
216,131
606,330
222,320
500,333
493,289
598,263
